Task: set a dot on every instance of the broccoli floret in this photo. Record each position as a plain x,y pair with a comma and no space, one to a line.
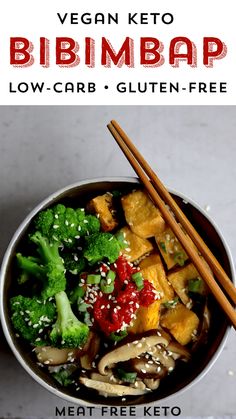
68,331
31,317
55,280
64,375
66,225
101,246
76,294
30,267
75,263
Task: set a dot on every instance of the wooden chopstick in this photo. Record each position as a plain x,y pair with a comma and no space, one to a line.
138,163
193,234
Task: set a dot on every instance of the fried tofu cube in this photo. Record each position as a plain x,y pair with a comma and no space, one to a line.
180,279
136,246
147,318
152,269
171,249
142,216
181,322
103,206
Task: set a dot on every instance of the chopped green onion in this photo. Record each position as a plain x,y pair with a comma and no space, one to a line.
195,285
179,257
93,279
127,377
82,307
121,239
163,246
87,319
105,287
138,279
111,275
117,337
171,303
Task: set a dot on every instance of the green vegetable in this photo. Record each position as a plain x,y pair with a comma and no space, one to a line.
93,279
127,377
105,287
82,307
76,294
138,279
68,331
31,317
63,376
121,239
100,246
179,257
66,225
54,280
75,263
110,276
163,246
195,285
30,265
171,303
116,337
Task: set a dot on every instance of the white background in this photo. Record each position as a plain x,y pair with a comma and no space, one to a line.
192,19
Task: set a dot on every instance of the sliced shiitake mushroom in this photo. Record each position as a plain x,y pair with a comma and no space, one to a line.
203,329
130,350
53,356
49,355
88,358
109,378
178,349
111,389
161,355
152,383
145,369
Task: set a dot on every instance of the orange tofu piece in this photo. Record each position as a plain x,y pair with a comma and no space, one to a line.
171,249
153,270
147,318
136,246
181,322
103,206
179,281
142,216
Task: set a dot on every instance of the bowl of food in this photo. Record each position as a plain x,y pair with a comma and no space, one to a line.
100,302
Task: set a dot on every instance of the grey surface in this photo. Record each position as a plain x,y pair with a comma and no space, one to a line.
45,148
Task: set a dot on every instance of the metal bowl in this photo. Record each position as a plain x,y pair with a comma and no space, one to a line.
185,375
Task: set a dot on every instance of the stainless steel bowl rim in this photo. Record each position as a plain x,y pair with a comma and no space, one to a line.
26,222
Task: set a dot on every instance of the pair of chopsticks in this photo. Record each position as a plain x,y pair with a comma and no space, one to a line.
161,199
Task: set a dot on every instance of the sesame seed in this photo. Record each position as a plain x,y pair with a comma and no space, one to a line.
123,399
139,345
55,226
143,371
231,373
85,221
77,237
